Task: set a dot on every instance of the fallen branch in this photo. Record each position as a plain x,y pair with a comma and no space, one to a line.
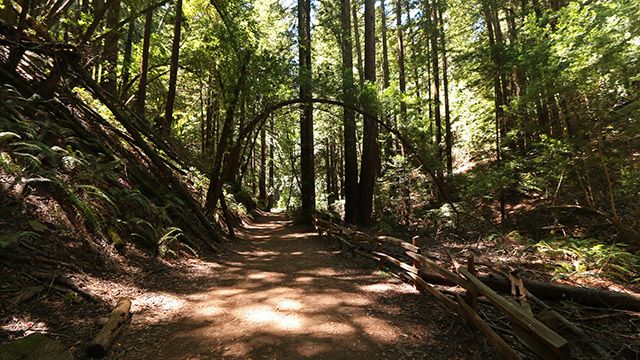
100,345
534,327
66,282
505,351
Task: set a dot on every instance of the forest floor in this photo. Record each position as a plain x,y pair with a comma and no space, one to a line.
280,291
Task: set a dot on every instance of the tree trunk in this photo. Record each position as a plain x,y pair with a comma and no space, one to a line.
445,82
262,181
16,53
173,73
385,51
402,85
216,177
144,65
435,64
307,171
126,60
356,34
499,95
110,50
271,186
349,128
370,129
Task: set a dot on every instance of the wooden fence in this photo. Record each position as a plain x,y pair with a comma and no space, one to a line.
526,327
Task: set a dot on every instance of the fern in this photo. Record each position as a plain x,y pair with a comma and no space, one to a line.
7,136
7,239
98,193
170,236
582,255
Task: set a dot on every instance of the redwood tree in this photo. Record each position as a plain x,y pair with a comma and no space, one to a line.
307,169
349,129
173,72
370,130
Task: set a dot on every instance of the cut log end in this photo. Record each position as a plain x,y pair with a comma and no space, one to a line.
101,344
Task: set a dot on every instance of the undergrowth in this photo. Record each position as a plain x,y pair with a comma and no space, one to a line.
47,153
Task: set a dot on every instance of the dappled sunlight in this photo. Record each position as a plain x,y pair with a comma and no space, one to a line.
266,317
383,288
310,348
148,306
259,253
378,329
265,276
323,271
288,304
377,288
227,292
290,298
297,236
24,325
211,310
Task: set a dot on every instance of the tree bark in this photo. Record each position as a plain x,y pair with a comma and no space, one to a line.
499,95
271,186
216,176
388,151
144,65
110,50
126,61
385,49
307,171
356,35
435,64
173,73
262,180
402,85
349,126
445,82
370,128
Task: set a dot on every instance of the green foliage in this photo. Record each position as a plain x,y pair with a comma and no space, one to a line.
8,239
591,255
170,236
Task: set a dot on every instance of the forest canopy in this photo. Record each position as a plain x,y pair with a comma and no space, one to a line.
491,119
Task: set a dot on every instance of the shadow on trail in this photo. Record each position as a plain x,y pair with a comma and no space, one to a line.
283,292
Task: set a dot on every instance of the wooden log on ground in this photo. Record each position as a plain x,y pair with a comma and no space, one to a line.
548,311
101,344
552,292
554,342
506,352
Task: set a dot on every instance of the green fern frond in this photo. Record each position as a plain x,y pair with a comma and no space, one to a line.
7,239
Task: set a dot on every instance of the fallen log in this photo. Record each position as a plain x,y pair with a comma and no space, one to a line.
548,338
506,352
553,292
100,344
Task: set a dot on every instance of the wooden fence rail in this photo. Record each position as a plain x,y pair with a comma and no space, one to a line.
530,331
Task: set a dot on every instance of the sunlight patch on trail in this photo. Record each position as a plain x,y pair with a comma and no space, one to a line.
267,317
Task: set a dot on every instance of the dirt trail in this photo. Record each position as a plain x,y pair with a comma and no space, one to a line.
282,292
